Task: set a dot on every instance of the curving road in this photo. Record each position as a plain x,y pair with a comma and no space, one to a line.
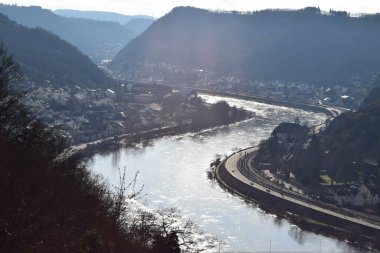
239,166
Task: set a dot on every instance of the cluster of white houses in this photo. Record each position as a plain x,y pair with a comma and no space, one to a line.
357,196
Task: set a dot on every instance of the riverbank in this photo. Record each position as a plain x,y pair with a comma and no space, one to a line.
115,141
129,140
329,111
307,216
173,171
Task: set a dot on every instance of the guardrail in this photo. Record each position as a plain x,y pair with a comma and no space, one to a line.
252,174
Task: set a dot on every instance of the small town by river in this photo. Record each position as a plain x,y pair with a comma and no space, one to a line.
173,172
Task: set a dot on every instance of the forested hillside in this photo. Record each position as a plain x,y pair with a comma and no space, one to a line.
98,39
342,151
44,56
304,45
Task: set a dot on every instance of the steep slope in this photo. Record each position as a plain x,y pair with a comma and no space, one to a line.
44,56
43,201
356,131
346,148
98,39
346,151
101,15
302,45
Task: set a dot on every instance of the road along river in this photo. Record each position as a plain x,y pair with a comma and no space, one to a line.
173,171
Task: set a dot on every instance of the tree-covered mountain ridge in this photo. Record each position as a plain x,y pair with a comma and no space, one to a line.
98,39
135,23
101,15
43,56
289,45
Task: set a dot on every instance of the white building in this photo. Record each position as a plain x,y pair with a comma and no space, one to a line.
360,196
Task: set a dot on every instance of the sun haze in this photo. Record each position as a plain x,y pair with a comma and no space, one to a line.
158,8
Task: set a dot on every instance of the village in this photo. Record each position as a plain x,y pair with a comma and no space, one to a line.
88,114
348,95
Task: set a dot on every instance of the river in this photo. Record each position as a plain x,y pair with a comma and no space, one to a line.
173,172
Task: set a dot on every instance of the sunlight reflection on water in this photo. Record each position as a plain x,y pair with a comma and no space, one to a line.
173,171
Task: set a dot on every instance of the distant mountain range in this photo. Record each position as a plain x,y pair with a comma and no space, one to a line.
98,39
101,15
135,23
44,56
302,45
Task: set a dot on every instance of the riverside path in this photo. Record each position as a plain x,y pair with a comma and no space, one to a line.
238,165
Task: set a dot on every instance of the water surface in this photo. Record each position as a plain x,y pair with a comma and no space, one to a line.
173,171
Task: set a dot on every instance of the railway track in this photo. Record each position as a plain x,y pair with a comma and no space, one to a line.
244,166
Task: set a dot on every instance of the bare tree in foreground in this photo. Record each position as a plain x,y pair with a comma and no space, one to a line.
166,230
162,230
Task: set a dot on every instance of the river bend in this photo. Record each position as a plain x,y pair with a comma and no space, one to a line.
173,171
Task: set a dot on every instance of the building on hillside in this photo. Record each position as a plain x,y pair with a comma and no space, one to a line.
357,196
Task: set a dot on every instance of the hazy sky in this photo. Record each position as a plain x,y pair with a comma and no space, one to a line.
158,8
